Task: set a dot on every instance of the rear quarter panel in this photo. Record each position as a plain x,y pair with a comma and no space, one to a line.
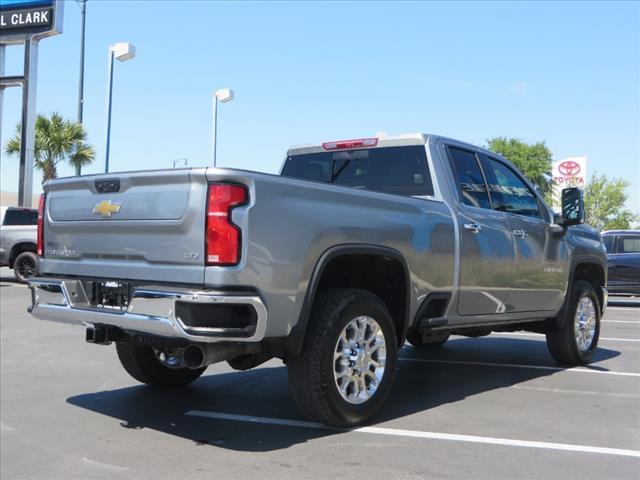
289,224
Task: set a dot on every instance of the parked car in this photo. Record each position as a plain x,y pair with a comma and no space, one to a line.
623,261
18,241
355,247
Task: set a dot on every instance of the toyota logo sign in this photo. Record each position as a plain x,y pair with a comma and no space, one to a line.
569,168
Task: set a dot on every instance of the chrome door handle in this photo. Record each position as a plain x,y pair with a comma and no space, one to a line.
520,233
474,227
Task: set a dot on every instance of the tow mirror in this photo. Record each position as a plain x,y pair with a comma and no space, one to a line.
572,206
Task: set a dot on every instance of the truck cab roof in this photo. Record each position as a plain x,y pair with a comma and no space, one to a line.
404,139
620,232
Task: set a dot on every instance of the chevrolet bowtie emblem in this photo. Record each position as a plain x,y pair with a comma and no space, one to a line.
106,208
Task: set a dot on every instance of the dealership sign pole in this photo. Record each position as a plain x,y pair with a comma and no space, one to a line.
26,22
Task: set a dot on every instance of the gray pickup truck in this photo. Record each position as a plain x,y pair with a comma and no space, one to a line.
18,241
356,247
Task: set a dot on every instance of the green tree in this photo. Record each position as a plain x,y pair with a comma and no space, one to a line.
56,140
532,159
604,201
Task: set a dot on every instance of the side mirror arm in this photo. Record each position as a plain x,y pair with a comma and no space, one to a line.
557,229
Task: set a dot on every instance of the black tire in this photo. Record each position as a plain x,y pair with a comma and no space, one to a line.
141,363
434,340
25,266
311,374
561,341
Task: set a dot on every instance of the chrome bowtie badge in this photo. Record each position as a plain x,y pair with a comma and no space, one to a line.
106,208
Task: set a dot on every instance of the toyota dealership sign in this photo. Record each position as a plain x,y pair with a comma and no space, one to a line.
570,172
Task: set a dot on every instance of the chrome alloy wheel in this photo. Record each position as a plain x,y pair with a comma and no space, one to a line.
584,323
359,359
170,357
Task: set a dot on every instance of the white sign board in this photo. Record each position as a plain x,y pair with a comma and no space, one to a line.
569,172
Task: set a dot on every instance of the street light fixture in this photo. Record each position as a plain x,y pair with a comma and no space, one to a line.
121,51
223,95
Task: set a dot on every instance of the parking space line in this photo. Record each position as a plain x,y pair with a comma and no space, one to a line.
620,321
417,434
577,392
531,334
517,365
11,284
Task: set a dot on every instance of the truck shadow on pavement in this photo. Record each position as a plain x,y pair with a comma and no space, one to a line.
264,392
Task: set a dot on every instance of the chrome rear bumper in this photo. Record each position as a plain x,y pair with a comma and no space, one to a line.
151,309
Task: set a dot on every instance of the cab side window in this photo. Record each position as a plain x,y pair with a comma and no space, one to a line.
469,178
509,193
608,242
629,244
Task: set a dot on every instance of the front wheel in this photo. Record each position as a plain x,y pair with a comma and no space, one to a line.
347,364
575,342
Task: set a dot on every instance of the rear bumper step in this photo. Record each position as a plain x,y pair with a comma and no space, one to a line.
152,311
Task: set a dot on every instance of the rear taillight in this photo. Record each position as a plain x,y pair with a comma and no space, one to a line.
222,241
40,241
349,144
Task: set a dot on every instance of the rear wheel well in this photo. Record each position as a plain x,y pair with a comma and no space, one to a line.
379,274
18,248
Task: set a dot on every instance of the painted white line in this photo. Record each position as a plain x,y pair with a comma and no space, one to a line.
621,321
627,309
531,334
517,365
577,392
9,284
417,434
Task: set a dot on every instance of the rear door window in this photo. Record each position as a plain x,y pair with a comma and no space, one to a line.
397,170
629,244
509,193
469,178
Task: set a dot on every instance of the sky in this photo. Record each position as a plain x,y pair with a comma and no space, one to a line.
565,73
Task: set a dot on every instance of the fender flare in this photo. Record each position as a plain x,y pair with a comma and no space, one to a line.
580,260
12,253
295,339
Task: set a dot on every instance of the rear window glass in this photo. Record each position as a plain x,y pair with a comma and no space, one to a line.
397,170
629,244
19,216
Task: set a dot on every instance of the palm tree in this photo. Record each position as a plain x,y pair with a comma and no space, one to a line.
56,140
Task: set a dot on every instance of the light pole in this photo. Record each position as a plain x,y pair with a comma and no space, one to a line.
223,95
83,11
121,51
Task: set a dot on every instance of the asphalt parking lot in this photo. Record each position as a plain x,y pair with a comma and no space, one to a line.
492,407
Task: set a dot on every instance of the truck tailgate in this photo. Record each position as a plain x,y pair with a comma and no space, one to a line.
139,225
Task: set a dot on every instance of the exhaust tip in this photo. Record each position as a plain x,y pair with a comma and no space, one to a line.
193,357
